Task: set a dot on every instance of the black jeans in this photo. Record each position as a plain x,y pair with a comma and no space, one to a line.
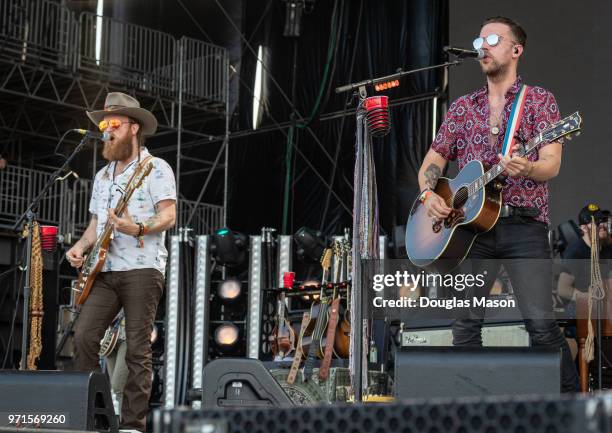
520,240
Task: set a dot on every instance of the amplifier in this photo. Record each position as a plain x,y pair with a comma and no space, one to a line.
431,372
510,335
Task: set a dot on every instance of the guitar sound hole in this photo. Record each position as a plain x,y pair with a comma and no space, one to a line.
460,197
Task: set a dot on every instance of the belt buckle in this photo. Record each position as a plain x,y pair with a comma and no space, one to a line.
505,211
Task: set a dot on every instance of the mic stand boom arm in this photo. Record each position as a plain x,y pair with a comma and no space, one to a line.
397,75
30,216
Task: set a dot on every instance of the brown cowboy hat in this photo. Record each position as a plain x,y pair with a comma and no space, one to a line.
125,105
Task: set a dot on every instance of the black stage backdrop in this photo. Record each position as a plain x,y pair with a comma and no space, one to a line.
373,38
341,41
568,51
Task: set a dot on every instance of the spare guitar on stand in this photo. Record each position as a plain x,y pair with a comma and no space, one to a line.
312,339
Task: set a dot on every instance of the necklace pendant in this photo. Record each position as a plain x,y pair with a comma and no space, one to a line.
494,130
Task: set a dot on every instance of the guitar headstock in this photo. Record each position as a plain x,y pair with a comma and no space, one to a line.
326,259
337,247
567,127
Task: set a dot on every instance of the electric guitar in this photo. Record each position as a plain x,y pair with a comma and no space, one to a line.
97,256
475,199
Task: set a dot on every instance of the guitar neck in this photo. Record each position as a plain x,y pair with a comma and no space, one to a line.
481,181
317,333
119,209
281,309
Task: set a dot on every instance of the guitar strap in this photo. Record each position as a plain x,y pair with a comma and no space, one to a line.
514,121
329,341
297,358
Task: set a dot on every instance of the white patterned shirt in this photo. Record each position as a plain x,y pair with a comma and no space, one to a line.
124,253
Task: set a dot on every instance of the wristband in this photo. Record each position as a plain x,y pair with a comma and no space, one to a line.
425,195
141,230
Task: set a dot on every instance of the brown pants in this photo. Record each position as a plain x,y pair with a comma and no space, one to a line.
138,292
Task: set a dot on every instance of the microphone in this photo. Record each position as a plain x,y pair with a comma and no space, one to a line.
104,136
464,52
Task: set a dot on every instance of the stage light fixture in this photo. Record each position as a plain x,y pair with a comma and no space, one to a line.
228,247
385,85
311,244
229,290
226,335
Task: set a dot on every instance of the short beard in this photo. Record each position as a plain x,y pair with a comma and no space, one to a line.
496,71
117,150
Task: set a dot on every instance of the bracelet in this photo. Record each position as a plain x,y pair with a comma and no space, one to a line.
425,195
530,169
141,230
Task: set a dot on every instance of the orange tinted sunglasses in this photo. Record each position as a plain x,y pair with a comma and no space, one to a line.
113,124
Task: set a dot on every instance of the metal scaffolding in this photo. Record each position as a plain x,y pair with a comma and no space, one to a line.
52,68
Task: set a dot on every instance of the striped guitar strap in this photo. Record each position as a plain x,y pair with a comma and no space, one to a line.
513,123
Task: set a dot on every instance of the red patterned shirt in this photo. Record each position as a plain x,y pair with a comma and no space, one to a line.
464,136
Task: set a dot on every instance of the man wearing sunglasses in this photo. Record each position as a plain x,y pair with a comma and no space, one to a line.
133,274
473,129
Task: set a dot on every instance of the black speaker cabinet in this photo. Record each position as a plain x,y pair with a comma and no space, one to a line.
241,382
427,372
57,400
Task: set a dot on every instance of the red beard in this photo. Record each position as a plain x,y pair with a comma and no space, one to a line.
117,149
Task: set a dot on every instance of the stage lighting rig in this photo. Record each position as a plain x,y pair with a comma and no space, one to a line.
226,339
228,247
310,244
229,290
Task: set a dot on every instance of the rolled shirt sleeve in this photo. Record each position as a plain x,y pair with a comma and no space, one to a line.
162,185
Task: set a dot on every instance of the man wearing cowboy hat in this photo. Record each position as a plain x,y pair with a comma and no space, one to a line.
133,275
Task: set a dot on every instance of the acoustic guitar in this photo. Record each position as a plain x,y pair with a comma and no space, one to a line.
312,342
475,199
343,331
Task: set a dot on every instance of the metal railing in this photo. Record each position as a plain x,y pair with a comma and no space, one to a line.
38,31
206,219
204,70
67,206
19,186
45,32
134,55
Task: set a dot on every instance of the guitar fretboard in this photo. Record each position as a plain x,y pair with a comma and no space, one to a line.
481,181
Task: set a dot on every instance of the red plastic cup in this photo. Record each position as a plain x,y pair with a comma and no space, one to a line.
48,237
288,279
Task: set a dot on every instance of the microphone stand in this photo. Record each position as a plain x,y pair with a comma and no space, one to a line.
30,216
361,84
358,326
